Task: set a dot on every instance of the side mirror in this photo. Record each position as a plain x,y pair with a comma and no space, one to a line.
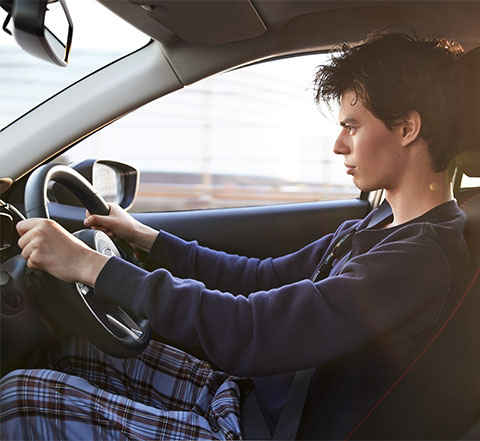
114,181
43,28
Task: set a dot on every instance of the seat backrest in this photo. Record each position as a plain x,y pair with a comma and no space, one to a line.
469,202
438,395
468,161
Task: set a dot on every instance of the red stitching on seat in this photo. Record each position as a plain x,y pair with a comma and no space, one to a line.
470,199
404,374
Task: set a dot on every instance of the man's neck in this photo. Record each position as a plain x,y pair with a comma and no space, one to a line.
417,196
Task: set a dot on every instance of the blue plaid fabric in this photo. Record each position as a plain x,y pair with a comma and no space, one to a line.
83,394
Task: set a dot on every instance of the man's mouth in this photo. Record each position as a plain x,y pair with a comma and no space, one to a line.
350,169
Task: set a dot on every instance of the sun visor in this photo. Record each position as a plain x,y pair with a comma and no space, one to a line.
209,22
469,158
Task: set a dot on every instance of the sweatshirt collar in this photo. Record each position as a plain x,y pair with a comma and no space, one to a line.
440,213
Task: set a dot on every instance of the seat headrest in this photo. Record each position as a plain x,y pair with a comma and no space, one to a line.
469,144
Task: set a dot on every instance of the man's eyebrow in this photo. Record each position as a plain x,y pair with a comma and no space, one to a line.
348,120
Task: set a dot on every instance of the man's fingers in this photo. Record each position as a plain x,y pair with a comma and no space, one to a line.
47,246
32,260
21,227
26,225
97,220
31,254
29,242
104,230
27,234
102,223
35,234
90,220
26,251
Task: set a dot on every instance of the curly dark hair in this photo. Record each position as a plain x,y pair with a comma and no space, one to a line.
393,73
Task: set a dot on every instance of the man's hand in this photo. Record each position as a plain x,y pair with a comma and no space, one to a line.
121,224
49,247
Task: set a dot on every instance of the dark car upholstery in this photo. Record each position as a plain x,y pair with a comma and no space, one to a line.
469,201
469,160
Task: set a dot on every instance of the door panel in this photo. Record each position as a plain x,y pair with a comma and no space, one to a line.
267,231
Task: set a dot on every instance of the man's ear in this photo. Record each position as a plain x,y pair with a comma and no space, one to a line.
410,127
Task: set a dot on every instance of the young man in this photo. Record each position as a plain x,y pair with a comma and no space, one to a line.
360,326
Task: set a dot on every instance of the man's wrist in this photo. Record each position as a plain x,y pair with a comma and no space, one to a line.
94,264
145,238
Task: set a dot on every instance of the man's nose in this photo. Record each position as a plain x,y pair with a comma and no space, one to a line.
340,147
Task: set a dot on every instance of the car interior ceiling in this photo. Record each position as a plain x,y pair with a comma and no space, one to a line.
283,27
212,23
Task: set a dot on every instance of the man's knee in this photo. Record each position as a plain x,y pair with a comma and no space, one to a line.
13,381
15,402
17,387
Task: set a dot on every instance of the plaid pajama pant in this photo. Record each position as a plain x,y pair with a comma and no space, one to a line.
84,394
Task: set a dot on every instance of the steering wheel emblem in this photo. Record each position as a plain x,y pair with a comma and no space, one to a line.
82,288
107,251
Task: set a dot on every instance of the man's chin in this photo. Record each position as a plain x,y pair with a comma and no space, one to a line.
365,186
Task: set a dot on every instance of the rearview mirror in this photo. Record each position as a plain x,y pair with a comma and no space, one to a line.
43,28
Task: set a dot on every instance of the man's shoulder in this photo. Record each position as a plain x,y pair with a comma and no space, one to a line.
444,222
437,232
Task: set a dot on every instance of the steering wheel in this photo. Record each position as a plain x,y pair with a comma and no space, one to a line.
74,306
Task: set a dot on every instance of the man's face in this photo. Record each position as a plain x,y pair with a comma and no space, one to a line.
372,152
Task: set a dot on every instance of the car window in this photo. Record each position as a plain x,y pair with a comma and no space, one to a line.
251,136
99,37
470,182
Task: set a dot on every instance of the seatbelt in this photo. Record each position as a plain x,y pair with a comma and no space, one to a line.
344,243
253,422
287,426
325,266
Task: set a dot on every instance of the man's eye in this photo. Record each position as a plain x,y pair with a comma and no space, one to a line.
350,129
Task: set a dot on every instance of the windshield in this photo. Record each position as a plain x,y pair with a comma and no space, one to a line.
99,37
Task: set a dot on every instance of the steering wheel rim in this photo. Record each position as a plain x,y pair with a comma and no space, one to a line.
75,307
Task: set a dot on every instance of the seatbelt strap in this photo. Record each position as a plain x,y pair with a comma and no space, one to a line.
344,243
253,422
287,426
292,411
383,213
325,266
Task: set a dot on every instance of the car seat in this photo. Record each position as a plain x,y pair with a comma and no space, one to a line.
438,396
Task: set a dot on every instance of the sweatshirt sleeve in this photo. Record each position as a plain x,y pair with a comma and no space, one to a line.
233,273
256,335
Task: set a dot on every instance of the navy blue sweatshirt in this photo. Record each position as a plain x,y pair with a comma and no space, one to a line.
359,328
